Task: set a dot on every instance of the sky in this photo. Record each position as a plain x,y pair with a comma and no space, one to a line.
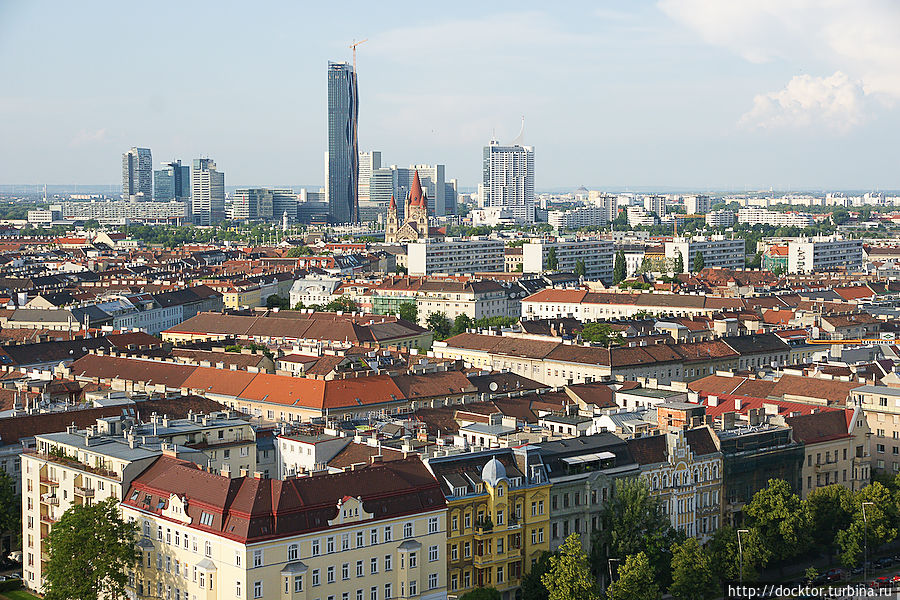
669,94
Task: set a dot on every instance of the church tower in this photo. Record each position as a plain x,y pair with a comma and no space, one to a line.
391,224
418,207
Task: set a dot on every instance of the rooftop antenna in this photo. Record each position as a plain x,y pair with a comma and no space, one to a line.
353,47
520,138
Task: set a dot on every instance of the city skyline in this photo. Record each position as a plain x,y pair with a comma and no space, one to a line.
675,94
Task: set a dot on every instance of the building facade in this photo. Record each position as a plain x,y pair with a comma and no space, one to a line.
342,164
137,174
508,179
595,254
172,182
207,192
456,255
717,251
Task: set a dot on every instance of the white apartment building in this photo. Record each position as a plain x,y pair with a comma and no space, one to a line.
697,204
368,162
123,211
596,254
824,253
456,255
717,251
509,179
638,216
584,216
720,218
761,216
655,204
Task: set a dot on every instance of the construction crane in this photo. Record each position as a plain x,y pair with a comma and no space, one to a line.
353,47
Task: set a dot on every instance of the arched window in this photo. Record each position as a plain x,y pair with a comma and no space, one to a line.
293,552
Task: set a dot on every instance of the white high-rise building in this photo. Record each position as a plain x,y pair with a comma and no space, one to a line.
697,204
368,162
508,177
207,192
655,204
824,253
717,251
137,174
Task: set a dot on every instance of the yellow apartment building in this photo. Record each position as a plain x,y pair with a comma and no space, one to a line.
498,514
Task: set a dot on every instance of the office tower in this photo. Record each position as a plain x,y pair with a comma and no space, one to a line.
368,162
697,205
342,172
137,174
252,204
207,192
432,180
284,201
172,182
397,182
508,177
655,204
451,197
383,185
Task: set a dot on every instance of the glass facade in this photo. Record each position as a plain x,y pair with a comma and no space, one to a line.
137,174
172,182
343,150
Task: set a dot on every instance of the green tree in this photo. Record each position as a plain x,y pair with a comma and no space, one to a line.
409,311
636,580
725,554
777,513
878,523
439,324
600,332
569,577
840,216
279,302
485,322
699,263
482,593
298,251
679,263
619,271
646,265
631,522
754,261
90,552
693,577
580,268
532,585
828,510
460,324
10,506
552,261
344,303
810,574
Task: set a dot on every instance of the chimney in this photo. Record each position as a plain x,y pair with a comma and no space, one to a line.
225,470
712,400
257,474
244,472
737,404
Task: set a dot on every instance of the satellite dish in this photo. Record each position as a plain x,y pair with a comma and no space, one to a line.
493,386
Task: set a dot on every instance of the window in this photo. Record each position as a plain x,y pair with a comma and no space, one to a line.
237,588
360,542
315,548
433,580
454,522
345,541
257,589
388,591
467,549
407,530
329,574
373,537
293,552
329,544
298,583
345,571
432,524
257,558
359,595
388,562
206,519
413,587
315,577
373,593
412,560
388,533
207,549
237,558
454,552
359,568
467,521
433,551
373,565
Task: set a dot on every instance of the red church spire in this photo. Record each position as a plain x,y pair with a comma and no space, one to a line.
393,205
416,195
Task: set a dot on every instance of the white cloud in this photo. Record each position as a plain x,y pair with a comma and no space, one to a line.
86,136
855,40
833,102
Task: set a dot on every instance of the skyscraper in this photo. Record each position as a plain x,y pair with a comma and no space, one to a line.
508,179
207,192
172,182
368,162
342,166
137,174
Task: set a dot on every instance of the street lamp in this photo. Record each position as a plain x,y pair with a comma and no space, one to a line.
741,552
866,538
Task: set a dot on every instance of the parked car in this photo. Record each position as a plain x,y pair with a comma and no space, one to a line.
883,563
835,574
856,571
880,582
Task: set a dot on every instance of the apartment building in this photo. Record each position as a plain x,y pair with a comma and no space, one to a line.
881,407
595,306
596,255
451,256
684,470
824,253
582,473
717,251
583,216
498,517
368,534
720,218
475,299
753,215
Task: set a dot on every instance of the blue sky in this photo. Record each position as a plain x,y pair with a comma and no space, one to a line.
691,94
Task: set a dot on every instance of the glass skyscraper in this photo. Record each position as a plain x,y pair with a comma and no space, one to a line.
137,174
342,176
207,192
172,182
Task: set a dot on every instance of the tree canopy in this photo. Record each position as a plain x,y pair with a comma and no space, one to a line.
90,552
409,311
636,580
619,271
569,576
439,324
693,577
600,332
776,513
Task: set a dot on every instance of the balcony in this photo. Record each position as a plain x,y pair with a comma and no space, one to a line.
48,519
85,491
45,480
50,499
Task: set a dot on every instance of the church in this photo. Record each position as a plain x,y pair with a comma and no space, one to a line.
415,221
